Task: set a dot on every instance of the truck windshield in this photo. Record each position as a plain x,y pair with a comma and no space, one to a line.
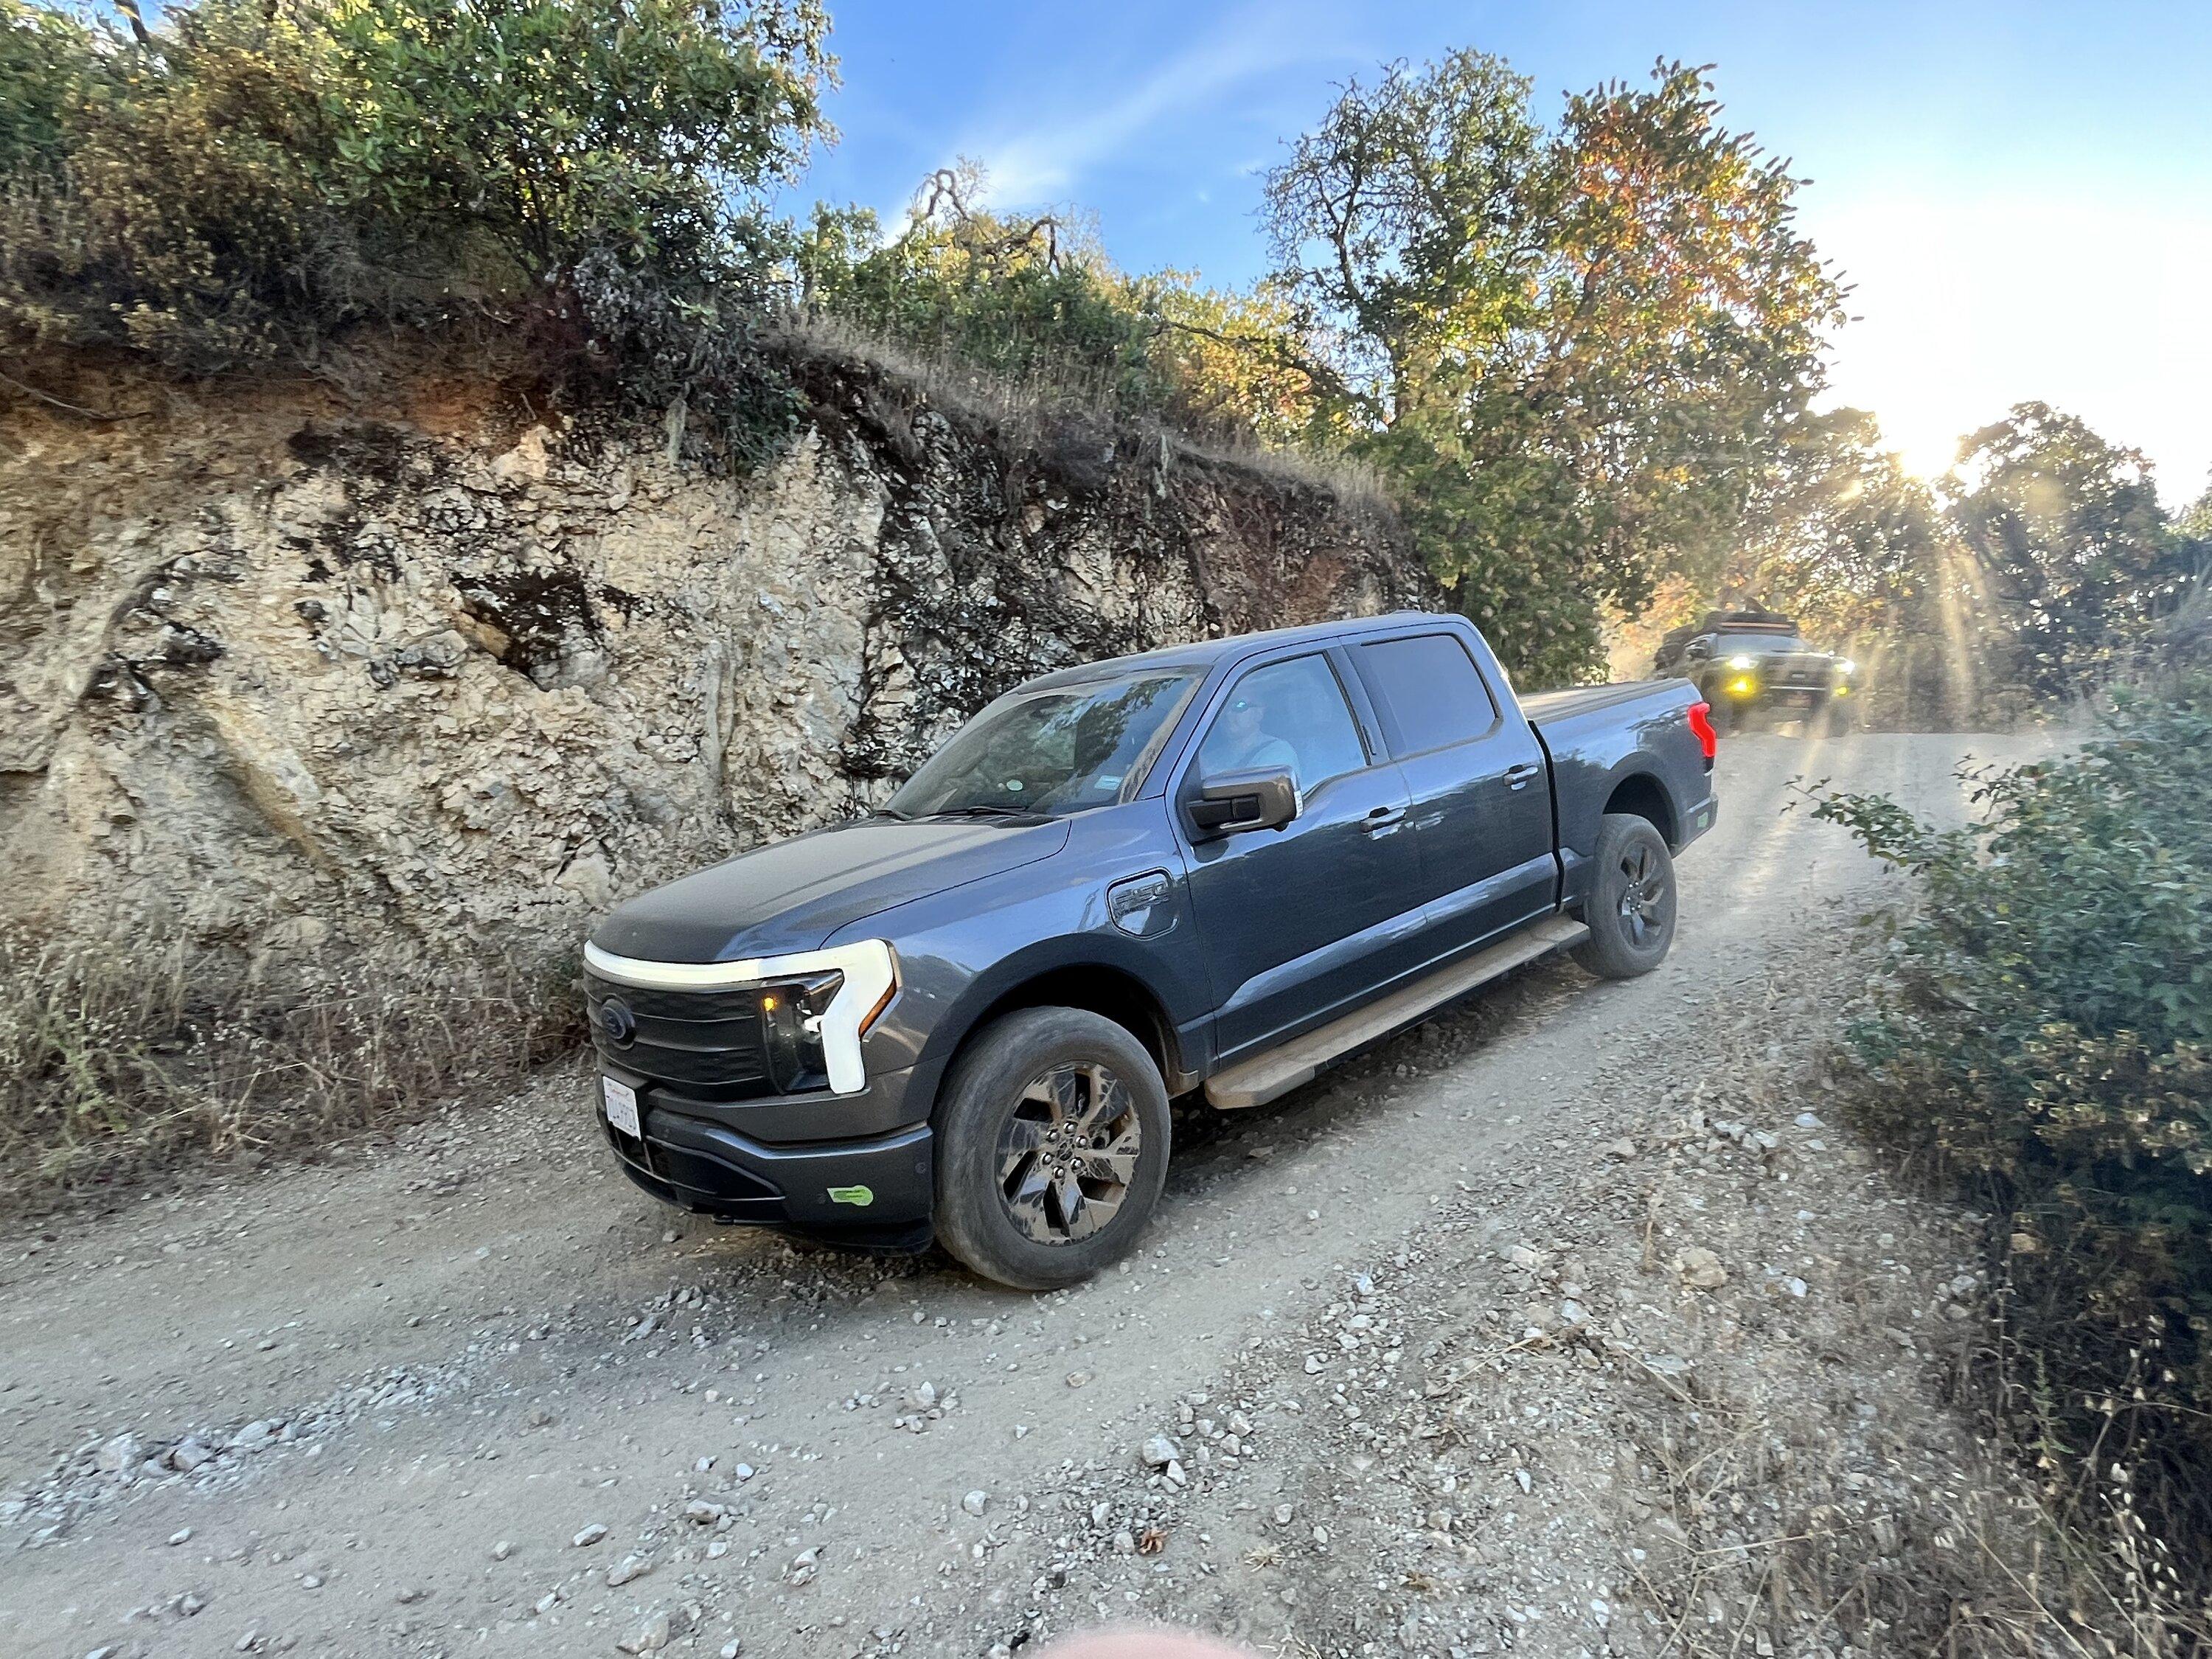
1050,752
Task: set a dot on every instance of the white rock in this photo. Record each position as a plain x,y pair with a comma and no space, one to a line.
649,1638
1157,1452
976,1502
188,1455
590,1535
1700,1269
123,1452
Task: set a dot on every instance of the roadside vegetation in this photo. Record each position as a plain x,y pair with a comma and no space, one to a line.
2041,1039
110,1068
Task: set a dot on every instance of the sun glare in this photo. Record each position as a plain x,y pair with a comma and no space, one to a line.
1927,455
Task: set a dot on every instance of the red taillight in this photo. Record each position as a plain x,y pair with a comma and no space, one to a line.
1708,739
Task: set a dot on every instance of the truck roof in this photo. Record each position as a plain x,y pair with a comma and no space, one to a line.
1205,653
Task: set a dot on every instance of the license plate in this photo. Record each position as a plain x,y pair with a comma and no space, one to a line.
622,1106
1799,699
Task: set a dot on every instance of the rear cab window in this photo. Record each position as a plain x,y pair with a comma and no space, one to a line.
1427,691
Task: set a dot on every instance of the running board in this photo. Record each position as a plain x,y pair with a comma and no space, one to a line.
1255,1082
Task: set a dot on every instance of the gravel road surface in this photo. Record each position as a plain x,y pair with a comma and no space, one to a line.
464,1390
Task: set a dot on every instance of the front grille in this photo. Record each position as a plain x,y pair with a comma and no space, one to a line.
705,1041
1798,673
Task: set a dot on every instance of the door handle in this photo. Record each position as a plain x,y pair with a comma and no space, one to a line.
1521,776
1384,819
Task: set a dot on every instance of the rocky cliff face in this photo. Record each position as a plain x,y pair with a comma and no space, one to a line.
316,681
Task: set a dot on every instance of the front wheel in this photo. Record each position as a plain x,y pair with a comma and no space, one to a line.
1051,1148
1630,911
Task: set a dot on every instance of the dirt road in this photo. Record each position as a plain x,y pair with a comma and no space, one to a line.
466,1391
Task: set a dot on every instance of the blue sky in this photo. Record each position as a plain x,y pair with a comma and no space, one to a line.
2021,194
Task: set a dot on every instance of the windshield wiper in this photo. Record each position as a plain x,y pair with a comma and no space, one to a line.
987,810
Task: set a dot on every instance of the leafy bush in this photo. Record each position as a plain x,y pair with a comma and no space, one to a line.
2044,1034
1033,300
254,177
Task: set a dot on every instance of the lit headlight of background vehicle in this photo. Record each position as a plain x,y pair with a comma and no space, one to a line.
1741,663
1745,683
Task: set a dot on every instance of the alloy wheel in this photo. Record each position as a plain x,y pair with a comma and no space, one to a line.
1067,1155
1643,895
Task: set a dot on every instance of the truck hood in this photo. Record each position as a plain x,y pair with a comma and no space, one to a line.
792,895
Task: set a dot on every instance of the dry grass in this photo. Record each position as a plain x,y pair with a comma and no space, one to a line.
112,1069
1952,1521
1032,410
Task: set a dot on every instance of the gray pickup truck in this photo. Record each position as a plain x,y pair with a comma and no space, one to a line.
1220,867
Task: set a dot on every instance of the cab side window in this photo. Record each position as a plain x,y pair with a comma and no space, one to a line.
1287,714
1430,686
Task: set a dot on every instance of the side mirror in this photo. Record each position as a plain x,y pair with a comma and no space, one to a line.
1698,650
1229,802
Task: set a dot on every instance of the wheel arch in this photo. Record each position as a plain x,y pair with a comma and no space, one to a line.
1116,991
1641,795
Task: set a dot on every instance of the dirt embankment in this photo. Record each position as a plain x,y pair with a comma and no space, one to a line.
325,681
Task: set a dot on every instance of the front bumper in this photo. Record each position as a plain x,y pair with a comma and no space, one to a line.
1793,701
876,1190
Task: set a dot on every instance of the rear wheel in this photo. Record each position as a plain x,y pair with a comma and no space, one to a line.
1051,1148
1630,909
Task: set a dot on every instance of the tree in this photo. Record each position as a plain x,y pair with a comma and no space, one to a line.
249,176
1579,345
1033,297
2079,557
1840,536
560,128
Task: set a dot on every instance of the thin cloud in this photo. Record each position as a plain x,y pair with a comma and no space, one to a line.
1041,163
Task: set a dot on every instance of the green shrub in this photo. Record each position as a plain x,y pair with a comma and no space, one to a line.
255,177
2044,1033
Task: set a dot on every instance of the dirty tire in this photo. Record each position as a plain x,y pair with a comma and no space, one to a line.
1051,1148
1835,720
1719,713
1630,909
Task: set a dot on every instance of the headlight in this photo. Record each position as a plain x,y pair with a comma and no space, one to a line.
791,1029
1739,663
1846,666
1742,688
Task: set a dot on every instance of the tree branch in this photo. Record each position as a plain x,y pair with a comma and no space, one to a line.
1324,378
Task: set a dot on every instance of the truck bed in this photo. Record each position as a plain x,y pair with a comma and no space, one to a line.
1592,734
